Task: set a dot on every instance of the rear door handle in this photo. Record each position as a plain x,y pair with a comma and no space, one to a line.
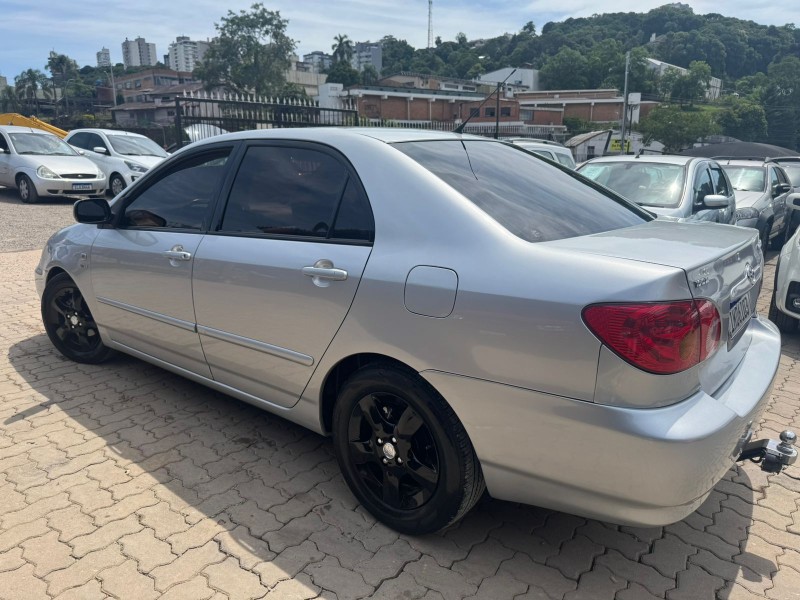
323,272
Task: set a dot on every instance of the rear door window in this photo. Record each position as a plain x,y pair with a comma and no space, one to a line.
703,185
532,199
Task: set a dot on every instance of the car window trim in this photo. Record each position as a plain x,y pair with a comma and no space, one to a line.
169,166
224,195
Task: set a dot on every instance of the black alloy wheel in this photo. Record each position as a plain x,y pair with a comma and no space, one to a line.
69,323
403,452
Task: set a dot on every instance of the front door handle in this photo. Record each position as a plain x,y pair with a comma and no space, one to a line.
177,253
323,272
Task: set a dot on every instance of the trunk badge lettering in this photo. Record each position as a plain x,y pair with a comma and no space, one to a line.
702,277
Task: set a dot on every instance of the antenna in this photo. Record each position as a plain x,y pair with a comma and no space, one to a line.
430,23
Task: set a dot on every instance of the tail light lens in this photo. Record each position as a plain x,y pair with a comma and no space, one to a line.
662,338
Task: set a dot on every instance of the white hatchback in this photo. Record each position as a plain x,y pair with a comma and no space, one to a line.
121,155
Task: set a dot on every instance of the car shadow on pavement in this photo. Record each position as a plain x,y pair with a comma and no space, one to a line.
131,448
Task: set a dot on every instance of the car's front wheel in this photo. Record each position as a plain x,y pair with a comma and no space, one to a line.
69,323
403,452
784,322
27,191
116,184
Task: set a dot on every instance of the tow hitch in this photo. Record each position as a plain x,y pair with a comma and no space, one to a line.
772,455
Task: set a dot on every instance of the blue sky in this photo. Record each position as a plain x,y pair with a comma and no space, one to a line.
29,29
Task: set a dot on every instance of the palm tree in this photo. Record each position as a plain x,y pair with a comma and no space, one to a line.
28,85
8,100
63,69
342,49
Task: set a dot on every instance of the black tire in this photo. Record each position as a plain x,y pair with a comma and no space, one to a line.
423,475
764,235
69,323
27,191
784,322
116,184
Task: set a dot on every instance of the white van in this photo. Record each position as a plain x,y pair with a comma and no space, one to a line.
122,156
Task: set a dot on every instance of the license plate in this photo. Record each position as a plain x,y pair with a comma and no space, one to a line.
81,186
739,315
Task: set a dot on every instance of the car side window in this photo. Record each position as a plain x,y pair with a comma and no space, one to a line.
720,181
703,185
292,191
3,142
80,140
95,141
180,198
782,177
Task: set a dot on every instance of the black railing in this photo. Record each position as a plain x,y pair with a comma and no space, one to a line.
203,115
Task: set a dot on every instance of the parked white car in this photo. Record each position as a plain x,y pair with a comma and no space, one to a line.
121,155
784,309
552,150
38,164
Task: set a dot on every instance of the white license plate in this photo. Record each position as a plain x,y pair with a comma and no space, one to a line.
81,186
739,315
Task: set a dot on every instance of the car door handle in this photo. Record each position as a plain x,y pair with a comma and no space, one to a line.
323,272
177,253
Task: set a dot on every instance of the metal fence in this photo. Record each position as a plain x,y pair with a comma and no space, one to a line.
201,115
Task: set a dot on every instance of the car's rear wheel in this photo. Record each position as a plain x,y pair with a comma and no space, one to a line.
403,452
116,184
27,191
784,322
69,323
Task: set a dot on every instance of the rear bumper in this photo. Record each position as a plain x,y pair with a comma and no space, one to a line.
642,467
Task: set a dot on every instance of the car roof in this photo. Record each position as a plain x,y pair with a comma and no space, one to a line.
384,134
18,129
743,162
106,131
669,159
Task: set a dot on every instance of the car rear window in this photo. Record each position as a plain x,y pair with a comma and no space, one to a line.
533,199
793,171
746,179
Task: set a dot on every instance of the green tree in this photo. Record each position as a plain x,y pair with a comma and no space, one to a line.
8,100
342,48
250,54
369,76
567,70
675,127
28,86
397,55
342,72
64,72
744,120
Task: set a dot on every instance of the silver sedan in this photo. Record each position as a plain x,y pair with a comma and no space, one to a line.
457,313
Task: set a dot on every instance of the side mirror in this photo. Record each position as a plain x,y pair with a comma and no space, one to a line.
780,188
99,150
93,211
716,201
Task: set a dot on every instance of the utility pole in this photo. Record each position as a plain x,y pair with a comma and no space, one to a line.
625,103
113,87
497,113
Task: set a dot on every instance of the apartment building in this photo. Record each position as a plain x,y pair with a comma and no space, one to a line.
185,54
138,53
367,53
104,58
319,61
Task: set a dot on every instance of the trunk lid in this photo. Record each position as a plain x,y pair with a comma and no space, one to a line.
722,263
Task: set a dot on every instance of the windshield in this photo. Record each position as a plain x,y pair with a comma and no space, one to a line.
746,179
40,143
130,145
530,197
646,183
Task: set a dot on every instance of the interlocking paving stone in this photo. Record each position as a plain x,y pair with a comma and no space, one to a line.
125,480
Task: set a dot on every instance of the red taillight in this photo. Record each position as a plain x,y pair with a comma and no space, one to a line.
663,338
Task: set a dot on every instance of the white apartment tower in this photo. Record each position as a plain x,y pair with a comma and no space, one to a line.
104,58
138,53
185,54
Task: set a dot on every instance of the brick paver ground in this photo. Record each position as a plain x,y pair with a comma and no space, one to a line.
125,481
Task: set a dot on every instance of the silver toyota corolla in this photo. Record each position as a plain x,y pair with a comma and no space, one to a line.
455,312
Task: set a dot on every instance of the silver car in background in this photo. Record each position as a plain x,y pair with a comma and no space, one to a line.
456,313
684,187
40,164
